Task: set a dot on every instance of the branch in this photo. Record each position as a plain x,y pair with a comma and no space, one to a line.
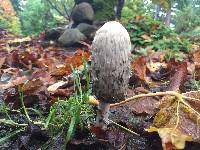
176,94
12,123
120,126
54,7
66,11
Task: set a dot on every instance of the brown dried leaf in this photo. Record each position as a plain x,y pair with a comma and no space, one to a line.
19,40
2,60
144,105
178,78
32,85
56,85
35,89
196,56
197,71
63,93
156,56
44,76
59,70
195,99
15,82
77,60
153,67
139,67
180,120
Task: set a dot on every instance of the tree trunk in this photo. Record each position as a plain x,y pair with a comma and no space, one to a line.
168,17
120,5
156,15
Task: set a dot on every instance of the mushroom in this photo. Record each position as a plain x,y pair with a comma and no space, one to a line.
110,68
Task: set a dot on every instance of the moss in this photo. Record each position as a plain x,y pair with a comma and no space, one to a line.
104,10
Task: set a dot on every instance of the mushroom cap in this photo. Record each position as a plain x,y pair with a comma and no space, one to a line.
110,62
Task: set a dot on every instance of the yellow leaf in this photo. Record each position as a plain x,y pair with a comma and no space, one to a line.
171,135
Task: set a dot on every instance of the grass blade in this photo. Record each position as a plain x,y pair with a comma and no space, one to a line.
10,135
71,129
49,118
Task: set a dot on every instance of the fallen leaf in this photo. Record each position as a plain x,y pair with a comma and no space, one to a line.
139,68
178,77
55,86
193,99
197,71
178,121
59,70
63,93
32,85
101,134
144,105
13,83
77,60
35,90
2,60
196,56
171,139
20,40
155,66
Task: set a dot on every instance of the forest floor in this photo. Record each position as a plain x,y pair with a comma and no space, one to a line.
36,75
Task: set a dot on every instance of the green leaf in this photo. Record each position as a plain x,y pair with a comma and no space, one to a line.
51,115
71,129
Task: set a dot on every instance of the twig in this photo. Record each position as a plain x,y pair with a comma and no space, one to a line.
11,122
93,101
66,11
21,97
190,98
185,103
178,118
126,129
180,99
53,6
176,94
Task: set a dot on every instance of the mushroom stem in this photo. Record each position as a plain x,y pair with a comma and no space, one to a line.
102,115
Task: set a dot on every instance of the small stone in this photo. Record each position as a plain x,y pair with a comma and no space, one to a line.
83,12
87,29
71,37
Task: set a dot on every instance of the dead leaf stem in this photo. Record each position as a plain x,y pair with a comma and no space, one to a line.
173,93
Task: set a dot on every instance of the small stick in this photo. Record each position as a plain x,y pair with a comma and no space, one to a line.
126,129
93,101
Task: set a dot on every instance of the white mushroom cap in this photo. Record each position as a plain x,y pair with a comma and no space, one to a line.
110,62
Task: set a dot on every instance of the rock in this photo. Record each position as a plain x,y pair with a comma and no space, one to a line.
71,37
53,34
83,13
81,1
86,29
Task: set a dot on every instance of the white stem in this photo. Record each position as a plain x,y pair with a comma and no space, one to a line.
102,115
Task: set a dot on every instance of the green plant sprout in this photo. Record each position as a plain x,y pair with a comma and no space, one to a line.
64,116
